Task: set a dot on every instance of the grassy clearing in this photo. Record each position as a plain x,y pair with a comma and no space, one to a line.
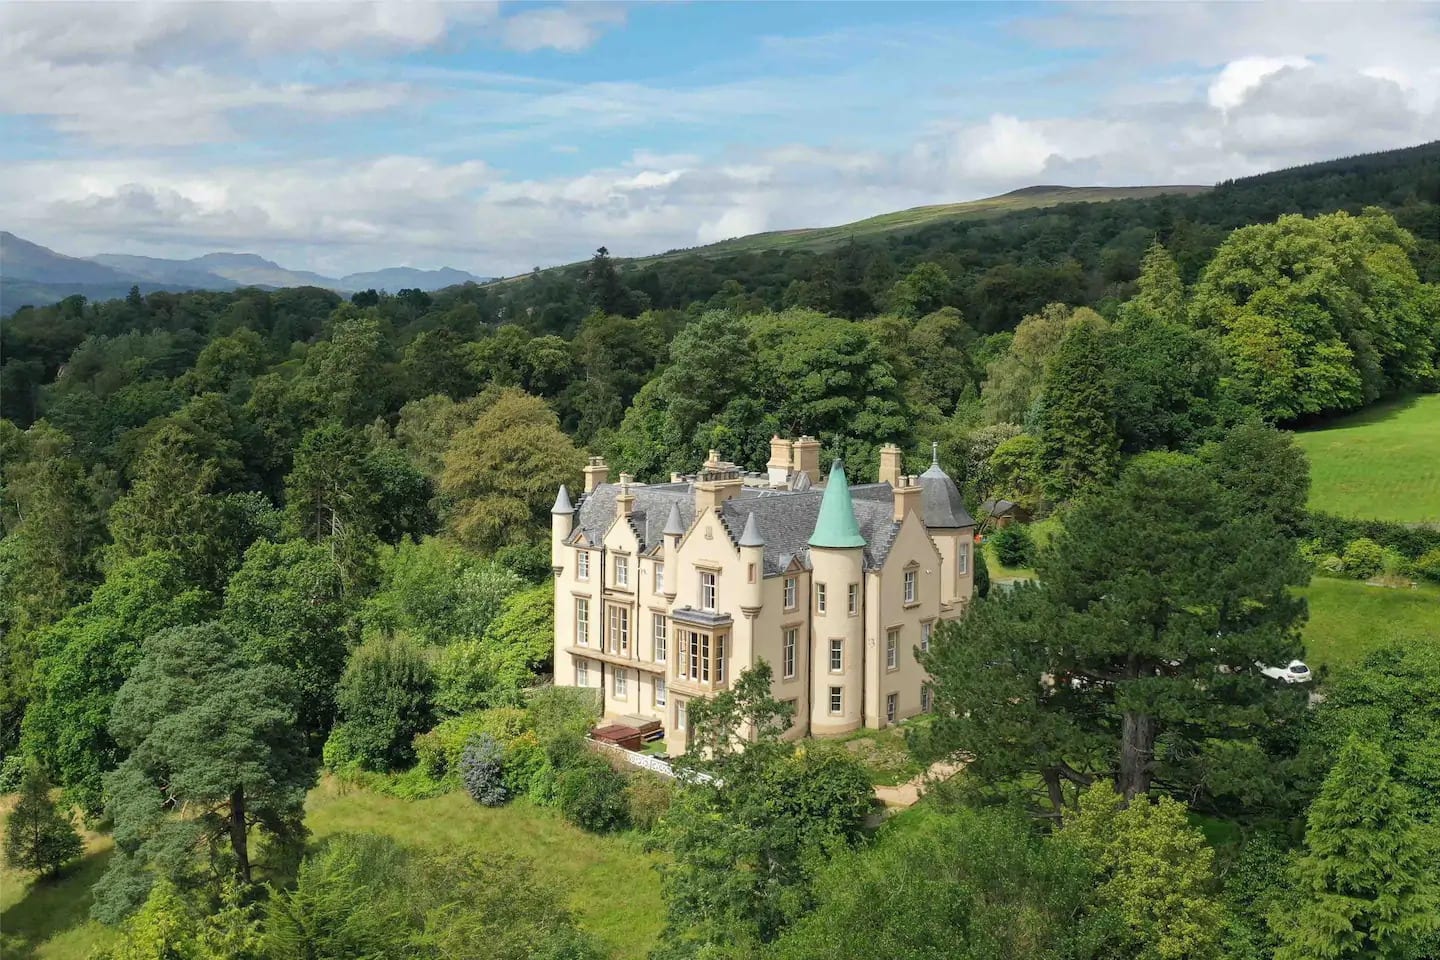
883,753
1040,531
1349,618
612,883
50,920
1382,463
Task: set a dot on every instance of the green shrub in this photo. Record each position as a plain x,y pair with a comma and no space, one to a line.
385,700
1427,565
563,710
12,772
1363,558
1335,532
524,757
438,750
1014,547
591,794
647,798
482,772
476,675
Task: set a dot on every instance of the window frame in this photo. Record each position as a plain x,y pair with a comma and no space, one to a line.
659,693
659,580
892,648
927,630
822,601
582,564
837,653
911,586
618,616
892,707
620,684
582,620
852,600
582,672
622,570
962,558
790,597
789,658
836,701
709,584
659,637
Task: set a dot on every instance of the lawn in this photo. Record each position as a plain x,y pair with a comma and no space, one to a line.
1349,618
50,920
1382,463
883,753
611,882
1040,531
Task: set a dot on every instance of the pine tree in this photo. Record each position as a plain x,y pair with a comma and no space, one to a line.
1369,888
38,836
1079,442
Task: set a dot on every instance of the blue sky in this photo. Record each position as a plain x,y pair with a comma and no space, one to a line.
494,137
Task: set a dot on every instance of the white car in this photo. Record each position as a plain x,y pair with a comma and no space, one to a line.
1294,672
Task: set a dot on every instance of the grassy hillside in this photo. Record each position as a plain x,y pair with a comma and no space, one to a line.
1349,618
611,883
819,238
1382,463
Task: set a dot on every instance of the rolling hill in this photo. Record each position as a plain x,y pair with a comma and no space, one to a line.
1026,198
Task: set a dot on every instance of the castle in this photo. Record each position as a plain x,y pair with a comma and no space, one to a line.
665,592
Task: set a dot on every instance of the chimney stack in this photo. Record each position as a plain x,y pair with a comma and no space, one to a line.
805,457
891,465
718,481
907,496
596,473
778,469
625,500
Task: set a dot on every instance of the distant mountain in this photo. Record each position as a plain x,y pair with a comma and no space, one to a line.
403,278
32,274
250,270
156,270
22,260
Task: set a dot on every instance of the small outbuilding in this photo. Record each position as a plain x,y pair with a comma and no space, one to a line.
1002,513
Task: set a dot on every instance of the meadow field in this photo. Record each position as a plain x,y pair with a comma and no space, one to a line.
1382,463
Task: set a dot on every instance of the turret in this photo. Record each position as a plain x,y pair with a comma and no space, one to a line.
837,563
674,530
562,521
752,561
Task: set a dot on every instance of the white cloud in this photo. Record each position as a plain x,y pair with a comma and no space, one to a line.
1004,147
1239,77
569,28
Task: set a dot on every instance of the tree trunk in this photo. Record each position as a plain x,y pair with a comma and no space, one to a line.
1137,750
238,839
1057,795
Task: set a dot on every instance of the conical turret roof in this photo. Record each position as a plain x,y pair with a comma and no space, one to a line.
751,536
562,502
835,526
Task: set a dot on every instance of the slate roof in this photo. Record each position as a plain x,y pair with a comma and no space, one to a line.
785,519
940,502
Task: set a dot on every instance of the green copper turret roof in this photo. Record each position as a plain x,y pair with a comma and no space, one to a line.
835,526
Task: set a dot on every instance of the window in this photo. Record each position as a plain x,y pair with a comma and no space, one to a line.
701,656
707,591
926,629
582,621
659,691
619,629
962,559
837,700
694,646
909,586
853,600
622,571
582,565
790,590
659,578
720,659
892,649
622,682
704,657
837,655
750,573
787,652
925,697
679,714
892,707
660,630
819,598
582,673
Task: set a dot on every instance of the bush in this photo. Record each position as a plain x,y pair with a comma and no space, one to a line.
1014,547
1335,532
12,773
1363,558
438,751
647,798
563,710
524,757
476,675
385,700
1427,565
591,794
481,771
